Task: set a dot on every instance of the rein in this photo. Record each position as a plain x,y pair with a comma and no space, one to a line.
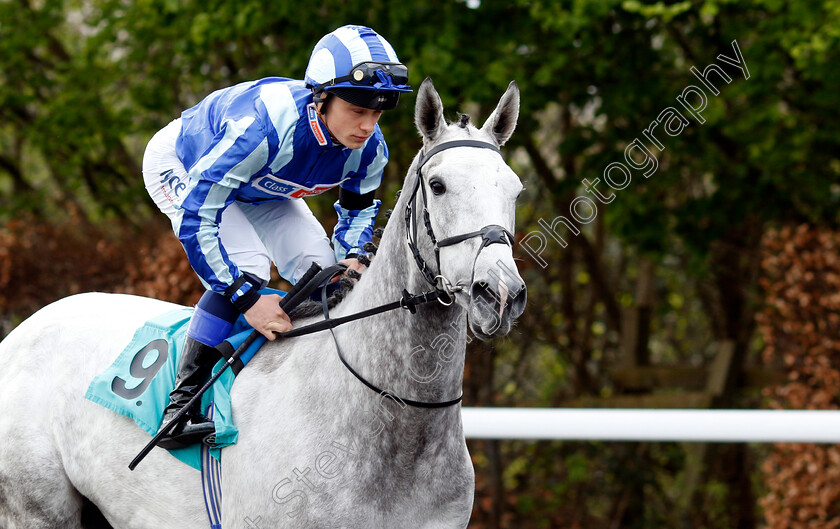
384,393
407,301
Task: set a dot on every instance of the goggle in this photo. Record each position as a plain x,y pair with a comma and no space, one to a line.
371,73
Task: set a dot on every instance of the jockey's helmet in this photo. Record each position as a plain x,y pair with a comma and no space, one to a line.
356,64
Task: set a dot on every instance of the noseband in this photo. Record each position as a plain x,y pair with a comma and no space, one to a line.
490,234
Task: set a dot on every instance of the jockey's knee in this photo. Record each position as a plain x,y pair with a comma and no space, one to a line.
254,262
213,319
325,259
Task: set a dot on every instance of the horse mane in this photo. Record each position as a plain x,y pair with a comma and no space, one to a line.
310,307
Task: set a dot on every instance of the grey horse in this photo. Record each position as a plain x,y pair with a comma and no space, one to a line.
317,448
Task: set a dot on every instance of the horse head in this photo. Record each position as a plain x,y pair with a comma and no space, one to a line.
460,216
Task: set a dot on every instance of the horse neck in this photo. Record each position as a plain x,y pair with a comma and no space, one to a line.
416,356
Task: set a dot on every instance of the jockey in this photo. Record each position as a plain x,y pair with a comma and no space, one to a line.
230,174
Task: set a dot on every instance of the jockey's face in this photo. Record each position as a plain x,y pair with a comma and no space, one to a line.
351,125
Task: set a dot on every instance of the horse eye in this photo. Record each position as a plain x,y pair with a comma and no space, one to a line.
437,187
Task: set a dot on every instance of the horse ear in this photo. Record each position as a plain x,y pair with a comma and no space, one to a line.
502,121
428,112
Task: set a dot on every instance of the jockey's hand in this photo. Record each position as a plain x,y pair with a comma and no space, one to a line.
266,316
352,264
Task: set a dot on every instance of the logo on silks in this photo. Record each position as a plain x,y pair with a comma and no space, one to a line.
283,188
316,128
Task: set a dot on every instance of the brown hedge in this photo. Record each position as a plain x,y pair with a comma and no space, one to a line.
800,327
41,262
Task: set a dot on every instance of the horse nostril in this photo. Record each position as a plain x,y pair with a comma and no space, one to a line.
481,290
517,306
513,302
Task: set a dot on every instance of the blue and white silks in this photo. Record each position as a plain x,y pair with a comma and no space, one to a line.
258,141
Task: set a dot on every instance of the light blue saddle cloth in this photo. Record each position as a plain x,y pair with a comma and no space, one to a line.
139,381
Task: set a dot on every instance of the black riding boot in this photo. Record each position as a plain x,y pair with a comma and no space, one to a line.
197,361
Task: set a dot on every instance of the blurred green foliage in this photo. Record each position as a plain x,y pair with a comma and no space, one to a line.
85,83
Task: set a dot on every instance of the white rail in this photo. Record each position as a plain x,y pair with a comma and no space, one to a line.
585,424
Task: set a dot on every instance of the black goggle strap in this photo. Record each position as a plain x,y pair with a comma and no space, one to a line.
369,75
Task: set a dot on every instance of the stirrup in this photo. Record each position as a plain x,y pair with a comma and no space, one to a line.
187,434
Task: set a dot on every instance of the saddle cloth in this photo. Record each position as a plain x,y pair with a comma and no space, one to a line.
139,381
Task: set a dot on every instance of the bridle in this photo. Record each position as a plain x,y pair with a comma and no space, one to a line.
443,289
490,234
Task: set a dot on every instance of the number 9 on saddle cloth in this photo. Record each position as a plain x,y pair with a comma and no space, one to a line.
141,378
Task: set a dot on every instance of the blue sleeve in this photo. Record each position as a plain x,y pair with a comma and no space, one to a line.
238,152
371,165
354,229
355,226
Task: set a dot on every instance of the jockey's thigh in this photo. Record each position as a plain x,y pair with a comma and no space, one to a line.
242,242
165,176
293,236
163,173
283,231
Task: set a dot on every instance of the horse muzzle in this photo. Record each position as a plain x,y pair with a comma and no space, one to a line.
494,304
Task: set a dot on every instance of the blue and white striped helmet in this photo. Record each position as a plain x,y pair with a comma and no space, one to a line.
358,65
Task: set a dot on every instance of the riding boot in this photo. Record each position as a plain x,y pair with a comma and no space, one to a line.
194,370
